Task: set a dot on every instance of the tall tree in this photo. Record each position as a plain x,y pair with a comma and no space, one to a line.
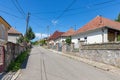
20,39
118,18
30,34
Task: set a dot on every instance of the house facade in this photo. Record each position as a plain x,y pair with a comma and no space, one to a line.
4,27
99,30
67,34
13,35
61,36
55,37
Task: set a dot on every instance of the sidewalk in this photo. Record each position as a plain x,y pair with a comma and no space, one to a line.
10,75
99,65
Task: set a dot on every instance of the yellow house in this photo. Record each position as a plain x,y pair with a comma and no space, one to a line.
4,27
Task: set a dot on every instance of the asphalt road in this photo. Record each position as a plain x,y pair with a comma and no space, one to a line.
46,65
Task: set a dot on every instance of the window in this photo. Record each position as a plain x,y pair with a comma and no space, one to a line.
78,38
85,38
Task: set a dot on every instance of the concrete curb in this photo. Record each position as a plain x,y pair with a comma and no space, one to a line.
14,77
99,65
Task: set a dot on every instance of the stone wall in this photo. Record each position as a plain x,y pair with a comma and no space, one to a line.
1,58
108,53
11,52
111,57
110,46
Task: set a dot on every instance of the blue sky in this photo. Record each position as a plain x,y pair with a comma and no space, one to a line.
57,14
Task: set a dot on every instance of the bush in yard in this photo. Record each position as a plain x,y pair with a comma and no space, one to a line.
118,38
68,40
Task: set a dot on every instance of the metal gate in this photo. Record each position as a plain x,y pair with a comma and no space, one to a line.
59,47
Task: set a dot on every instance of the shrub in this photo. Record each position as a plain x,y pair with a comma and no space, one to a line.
68,40
16,65
118,38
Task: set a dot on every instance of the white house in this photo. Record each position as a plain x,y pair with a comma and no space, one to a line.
63,36
13,35
99,30
69,33
55,37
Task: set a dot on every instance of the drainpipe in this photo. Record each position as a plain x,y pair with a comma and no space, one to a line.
102,35
115,36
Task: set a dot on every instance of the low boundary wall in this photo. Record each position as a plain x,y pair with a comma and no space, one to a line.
108,53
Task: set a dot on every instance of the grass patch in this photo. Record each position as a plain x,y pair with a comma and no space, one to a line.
16,64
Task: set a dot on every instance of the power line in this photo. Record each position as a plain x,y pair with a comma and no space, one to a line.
20,7
10,14
66,9
93,5
19,10
110,5
86,11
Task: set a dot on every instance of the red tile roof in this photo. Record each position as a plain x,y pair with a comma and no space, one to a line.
99,22
13,31
55,35
69,32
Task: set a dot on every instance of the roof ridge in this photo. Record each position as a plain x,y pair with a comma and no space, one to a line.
69,32
13,31
98,22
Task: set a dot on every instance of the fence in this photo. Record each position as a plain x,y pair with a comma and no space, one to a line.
63,47
8,53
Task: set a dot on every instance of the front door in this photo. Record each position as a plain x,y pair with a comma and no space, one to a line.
111,35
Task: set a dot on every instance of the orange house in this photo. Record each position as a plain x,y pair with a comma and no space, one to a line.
4,27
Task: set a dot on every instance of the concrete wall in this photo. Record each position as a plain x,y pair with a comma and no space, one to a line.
13,38
94,36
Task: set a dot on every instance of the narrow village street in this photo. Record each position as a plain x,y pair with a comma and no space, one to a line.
45,65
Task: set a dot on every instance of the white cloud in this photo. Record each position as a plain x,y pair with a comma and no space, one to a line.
54,22
40,35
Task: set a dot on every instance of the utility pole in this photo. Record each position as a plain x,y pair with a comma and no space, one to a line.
48,30
75,27
41,35
27,21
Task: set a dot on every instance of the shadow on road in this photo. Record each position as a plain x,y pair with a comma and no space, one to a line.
24,65
2,75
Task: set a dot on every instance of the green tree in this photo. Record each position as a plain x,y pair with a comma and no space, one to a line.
118,18
20,39
43,42
30,34
68,40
